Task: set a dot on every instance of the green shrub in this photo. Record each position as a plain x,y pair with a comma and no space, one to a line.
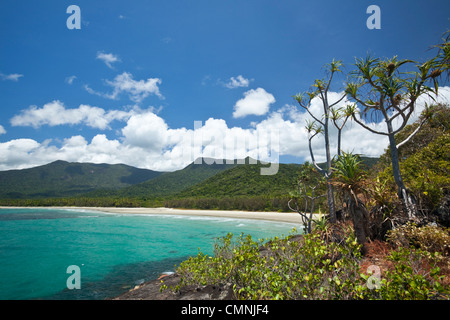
425,173
415,277
311,268
429,238
279,269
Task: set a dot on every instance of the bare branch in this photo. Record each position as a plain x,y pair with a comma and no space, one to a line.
314,117
306,107
312,155
405,122
412,134
340,99
368,128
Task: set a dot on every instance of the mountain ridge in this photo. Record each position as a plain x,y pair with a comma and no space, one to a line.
61,178
205,177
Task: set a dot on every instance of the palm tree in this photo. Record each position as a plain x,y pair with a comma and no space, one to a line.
349,177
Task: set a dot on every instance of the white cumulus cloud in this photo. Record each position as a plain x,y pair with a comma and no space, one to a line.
147,141
2,130
55,114
255,102
146,130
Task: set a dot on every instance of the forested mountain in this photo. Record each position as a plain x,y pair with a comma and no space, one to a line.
245,180
169,183
121,184
65,179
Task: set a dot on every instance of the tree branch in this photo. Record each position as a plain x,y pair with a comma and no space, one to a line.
368,128
338,100
405,121
322,171
411,135
329,82
310,113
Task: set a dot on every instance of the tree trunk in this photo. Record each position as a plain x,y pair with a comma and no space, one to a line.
331,204
402,192
312,210
330,193
360,218
339,142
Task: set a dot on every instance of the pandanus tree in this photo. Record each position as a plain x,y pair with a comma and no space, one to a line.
389,89
349,177
442,60
321,124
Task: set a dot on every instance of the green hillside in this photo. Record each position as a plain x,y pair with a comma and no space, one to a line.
245,180
210,184
240,188
64,179
168,183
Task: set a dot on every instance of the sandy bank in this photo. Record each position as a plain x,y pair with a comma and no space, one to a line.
290,217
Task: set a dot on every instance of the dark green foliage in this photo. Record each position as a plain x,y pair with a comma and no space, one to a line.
349,178
367,162
245,180
231,203
240,188
168,183
64,179
309,194
437,123
426,173
83,202
198,186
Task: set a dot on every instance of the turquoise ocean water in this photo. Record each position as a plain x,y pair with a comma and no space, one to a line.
114,252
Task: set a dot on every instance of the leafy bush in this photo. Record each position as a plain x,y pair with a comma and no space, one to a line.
415,277
426,173
429,238
289,268
320,265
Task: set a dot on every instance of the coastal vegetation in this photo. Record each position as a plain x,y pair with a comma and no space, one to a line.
326,264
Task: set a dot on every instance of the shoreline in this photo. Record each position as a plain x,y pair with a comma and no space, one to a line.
289,217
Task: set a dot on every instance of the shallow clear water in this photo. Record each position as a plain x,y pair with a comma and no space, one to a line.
114,252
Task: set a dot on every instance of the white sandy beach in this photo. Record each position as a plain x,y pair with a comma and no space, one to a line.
290,217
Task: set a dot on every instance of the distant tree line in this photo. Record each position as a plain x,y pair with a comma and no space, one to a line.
232,203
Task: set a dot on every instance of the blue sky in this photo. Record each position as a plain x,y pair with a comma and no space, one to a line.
128,86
